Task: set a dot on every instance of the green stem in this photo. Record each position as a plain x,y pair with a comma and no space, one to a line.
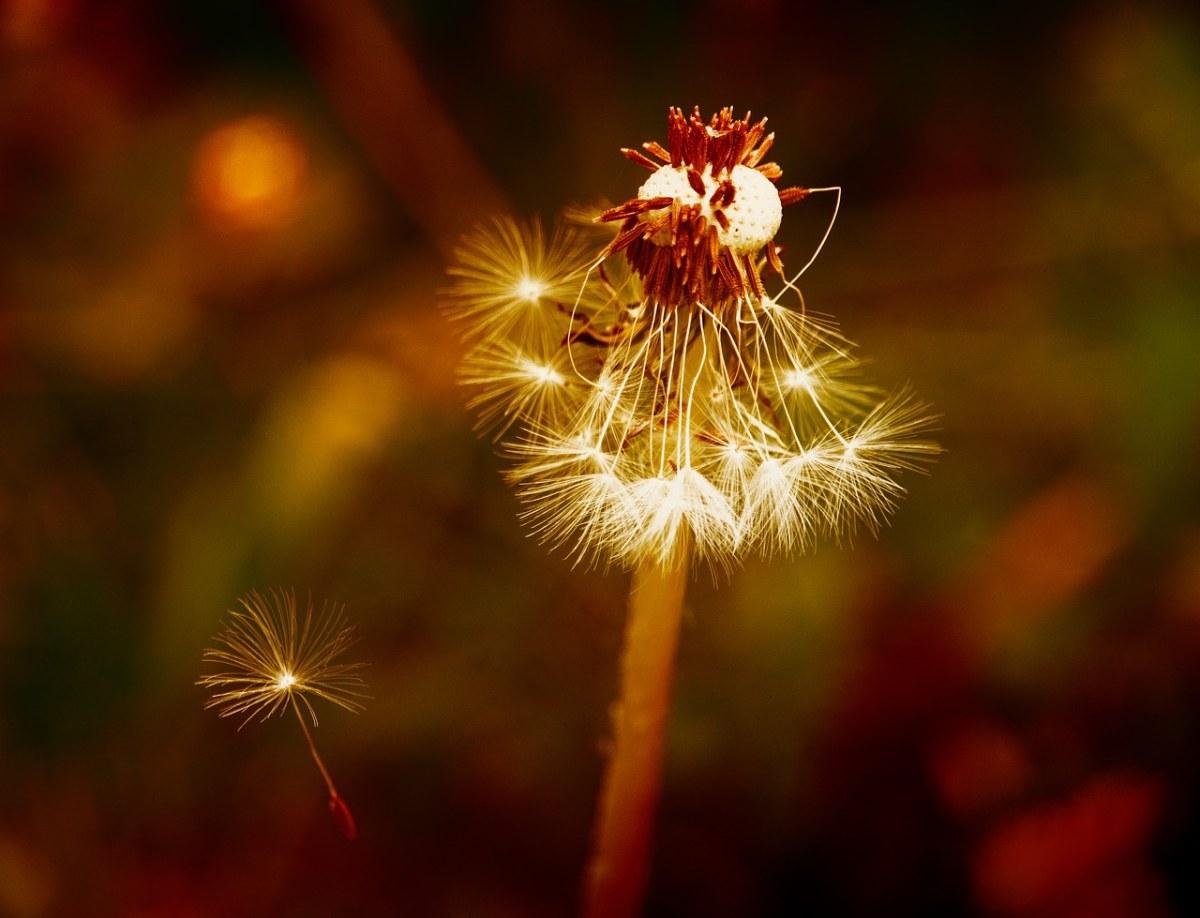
619,868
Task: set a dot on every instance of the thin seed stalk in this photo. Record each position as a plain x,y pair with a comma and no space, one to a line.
620,864
312,747
337,806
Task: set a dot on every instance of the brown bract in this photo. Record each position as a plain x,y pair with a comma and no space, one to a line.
676,247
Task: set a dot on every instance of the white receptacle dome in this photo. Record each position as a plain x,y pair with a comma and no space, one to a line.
753,216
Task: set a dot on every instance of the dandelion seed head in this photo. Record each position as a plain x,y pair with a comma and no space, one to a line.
699,224
656,399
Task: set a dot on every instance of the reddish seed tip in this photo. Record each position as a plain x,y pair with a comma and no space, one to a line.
343,816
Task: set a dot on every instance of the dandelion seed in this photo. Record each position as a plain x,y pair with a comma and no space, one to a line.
513,384
273,659
508,279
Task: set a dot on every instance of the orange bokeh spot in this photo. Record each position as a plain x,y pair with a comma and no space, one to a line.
250,174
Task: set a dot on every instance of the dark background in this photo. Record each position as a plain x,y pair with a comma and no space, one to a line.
223,229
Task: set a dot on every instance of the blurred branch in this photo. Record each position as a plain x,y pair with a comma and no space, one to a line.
1015,227
1045,555
384,102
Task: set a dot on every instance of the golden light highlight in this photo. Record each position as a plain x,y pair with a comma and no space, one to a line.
250,175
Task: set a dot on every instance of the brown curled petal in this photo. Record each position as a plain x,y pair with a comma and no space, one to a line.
343,817
638,157
755,154
633,206
728,270
676,136
662,278
753,136
654,148
698,144
653,226
679,245
793,194
718,152
770,170
751,274
773,258
613,213
633,247
625,239
737,146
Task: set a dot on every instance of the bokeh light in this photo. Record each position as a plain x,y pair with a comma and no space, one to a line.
250,174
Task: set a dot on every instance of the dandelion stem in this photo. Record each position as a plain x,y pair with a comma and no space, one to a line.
619,867
337,806
312,747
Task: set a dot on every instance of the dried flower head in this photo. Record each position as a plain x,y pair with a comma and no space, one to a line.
666,401
274,659
699,224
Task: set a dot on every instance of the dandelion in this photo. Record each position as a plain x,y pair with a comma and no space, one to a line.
661,404
273,659
664,403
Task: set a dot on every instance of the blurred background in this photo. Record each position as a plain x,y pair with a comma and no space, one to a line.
223,231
